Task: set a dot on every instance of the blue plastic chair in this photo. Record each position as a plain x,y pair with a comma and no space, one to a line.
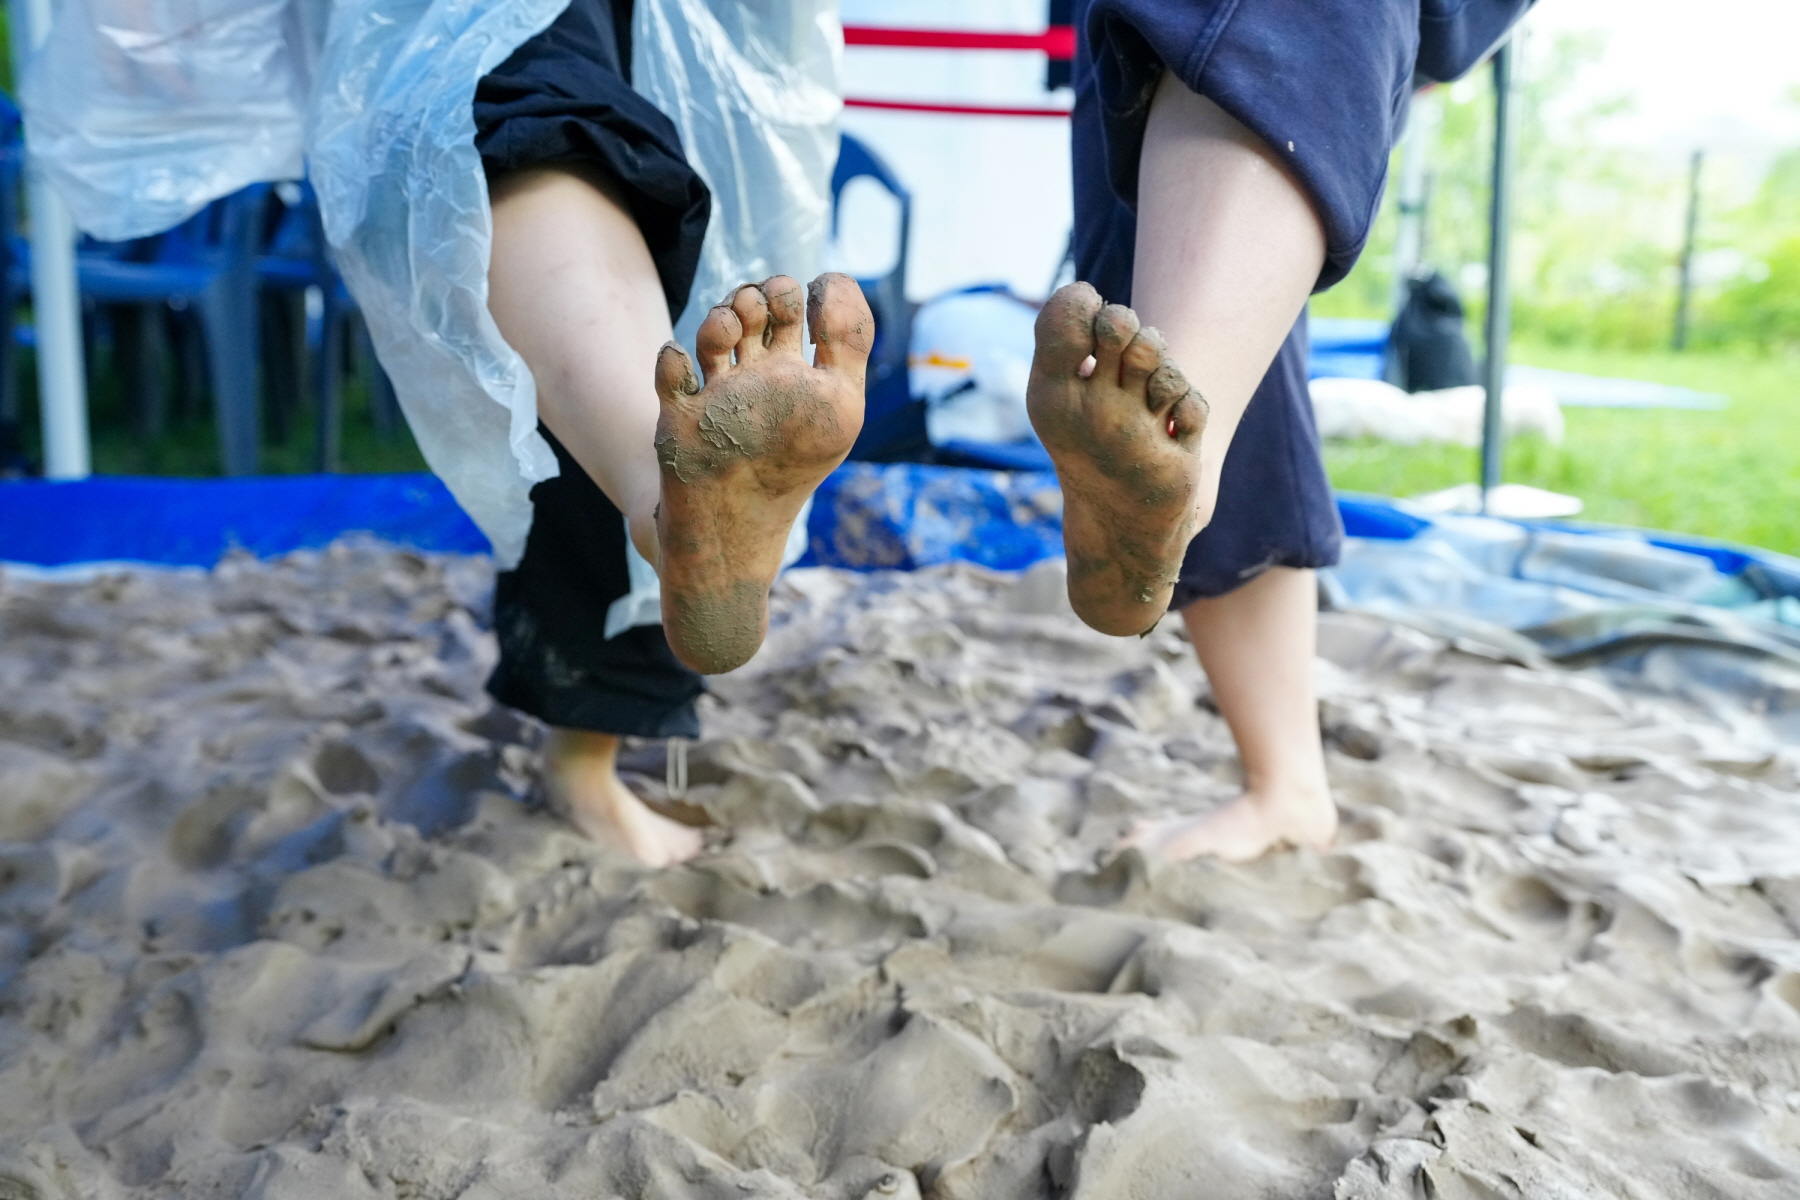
297,257
887,393
206,265
886,295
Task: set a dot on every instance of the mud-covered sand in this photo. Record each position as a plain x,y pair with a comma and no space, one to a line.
283,916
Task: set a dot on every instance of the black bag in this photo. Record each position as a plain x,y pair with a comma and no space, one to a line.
1426,347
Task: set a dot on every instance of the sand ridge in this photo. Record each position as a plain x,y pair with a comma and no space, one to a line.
282,915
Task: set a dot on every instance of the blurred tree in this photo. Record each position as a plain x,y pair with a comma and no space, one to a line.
1597,226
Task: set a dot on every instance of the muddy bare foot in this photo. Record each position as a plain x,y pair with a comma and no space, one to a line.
1249,827
582,775
1125,437
741,455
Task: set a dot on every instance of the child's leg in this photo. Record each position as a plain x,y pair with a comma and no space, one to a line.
573,289
1224,282
1228,248
1257,645
584,779
710,479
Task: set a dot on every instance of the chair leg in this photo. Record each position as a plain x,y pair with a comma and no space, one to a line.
283,347
330,385
229,313
138,365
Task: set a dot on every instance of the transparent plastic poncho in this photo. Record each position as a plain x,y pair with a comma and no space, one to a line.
145,112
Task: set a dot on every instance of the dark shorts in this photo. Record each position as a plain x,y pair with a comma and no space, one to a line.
1325,83
565,97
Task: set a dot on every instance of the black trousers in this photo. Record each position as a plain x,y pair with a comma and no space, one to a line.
565,97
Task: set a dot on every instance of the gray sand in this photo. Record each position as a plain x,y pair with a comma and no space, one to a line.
283,916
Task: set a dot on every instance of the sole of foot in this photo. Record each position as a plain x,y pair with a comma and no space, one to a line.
585,787
1247,828
742,445
1123,427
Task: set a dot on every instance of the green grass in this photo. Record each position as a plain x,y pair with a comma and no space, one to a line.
188,444
1732,474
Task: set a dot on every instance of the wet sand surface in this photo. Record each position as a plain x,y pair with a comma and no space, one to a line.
281,915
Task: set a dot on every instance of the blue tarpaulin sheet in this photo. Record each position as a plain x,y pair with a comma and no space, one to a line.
195,522
867,516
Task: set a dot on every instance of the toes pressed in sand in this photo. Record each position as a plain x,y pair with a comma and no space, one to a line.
743,446
1123,427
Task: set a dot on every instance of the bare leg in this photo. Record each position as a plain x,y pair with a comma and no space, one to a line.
710,479
1257,645
584,782
1228,247
574,291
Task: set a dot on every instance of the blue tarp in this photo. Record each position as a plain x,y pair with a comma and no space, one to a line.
866,516
194,522
1614,584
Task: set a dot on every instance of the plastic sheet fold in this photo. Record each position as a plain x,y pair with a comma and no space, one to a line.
144,111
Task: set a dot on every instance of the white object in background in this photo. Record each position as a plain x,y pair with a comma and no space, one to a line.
1516,501
991,195
1573,390
1354,408
970,362
55,290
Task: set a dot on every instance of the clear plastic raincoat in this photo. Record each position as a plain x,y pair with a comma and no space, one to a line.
144,111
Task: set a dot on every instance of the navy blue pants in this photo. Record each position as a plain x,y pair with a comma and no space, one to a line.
1325,83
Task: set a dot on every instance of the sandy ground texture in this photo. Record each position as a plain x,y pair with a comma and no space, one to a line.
282,916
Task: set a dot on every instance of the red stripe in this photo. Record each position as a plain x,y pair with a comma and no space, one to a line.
966,110
1058,41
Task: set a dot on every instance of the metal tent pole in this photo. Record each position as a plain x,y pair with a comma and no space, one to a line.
55,292
1684,297
1499,307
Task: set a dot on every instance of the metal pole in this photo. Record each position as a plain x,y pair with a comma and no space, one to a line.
1684,296
1499,308
55,292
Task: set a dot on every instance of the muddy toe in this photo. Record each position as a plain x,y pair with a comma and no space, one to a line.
1124,436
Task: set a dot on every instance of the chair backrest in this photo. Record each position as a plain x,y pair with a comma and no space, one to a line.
886,295
228,230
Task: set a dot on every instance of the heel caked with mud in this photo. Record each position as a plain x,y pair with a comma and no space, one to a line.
742,445
1123,426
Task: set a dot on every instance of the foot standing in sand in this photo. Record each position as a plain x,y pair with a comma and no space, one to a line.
699,472
1228,162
